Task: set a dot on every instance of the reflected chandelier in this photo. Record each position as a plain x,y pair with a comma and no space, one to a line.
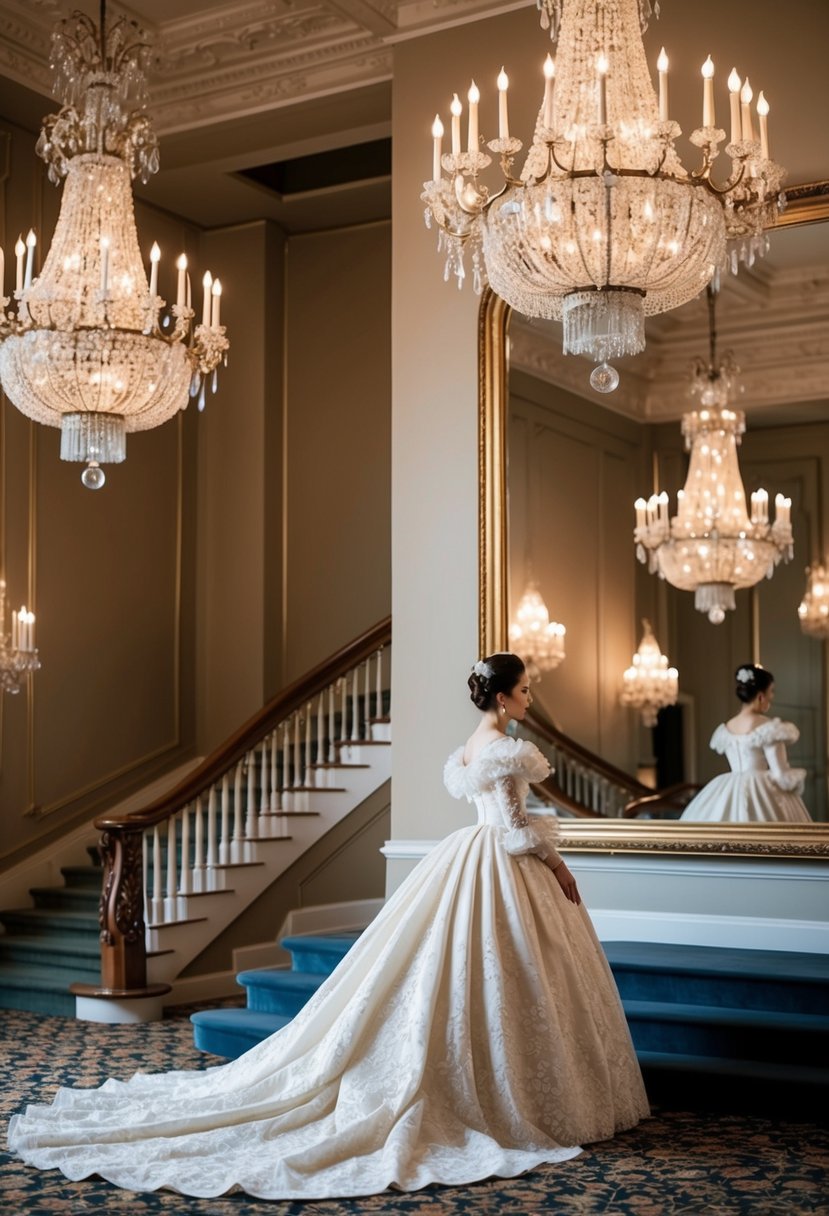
650,684
604,225
92,348
18,653
711,546
538,640
813,610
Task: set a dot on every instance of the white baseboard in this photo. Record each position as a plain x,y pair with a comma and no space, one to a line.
699,929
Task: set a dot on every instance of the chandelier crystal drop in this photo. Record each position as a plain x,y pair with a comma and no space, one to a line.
538,640
649,684
18,653
813,610
712,546
93,348
604,225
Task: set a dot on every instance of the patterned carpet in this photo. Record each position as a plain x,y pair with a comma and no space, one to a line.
687,1163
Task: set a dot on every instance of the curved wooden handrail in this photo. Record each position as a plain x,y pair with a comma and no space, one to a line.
554,795
544,727
121,908
673,798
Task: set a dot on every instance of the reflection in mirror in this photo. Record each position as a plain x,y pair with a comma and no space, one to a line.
575,464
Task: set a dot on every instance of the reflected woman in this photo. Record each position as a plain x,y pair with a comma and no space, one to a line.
761,787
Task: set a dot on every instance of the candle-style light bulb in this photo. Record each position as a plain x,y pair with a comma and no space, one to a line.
207,284
473,97
437,141
746,94
155,255
19,253
549,75
763,112
503,118
708,116
734,86
31,241
662,69
456,109
216,293
181,285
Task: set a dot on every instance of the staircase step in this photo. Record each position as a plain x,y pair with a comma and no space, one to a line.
278,990
797,1074
44,921
318,954
83,876
734,1034
719,976
65,897
64,952
41,989
231,1032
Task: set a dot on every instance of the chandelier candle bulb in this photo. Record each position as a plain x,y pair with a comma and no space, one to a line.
734,87
746,94
549,74
456,109
31,241
640,506
503,117
473,97
662,68
155,256
181,286
19,253
708,117
601,74
763,115
207,284
216,292
437,145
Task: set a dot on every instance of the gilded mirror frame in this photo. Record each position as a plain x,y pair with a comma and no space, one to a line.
807,204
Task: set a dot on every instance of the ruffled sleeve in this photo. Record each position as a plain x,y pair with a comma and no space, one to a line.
454,775
776,731
719,740
773,737
510,757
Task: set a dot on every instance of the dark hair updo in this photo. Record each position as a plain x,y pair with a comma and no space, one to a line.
751,680
497,673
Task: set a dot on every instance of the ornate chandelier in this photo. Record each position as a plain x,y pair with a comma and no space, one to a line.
604,225
93,348
711,546
813,609
650,684
538,640
18,654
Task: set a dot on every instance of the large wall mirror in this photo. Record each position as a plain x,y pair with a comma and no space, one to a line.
560,467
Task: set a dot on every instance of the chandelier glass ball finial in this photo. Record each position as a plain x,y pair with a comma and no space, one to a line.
603,225
91,348
604,378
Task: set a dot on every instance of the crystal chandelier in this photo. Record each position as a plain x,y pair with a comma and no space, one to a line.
711,546
813,610
604,225
538,640
93,348
650,684
18,654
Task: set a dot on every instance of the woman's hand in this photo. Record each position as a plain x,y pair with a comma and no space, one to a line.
566,881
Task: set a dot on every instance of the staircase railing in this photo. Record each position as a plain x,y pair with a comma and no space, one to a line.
245,790
584,785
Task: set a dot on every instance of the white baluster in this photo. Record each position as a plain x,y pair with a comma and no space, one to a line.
264,792
297,782
224,839
344,710
319,758
185,885
251,832
158,903
145,877
355,704
276,802
170,911
332,726
236,842
211,838
198,856
378,686
306,750
367,701
287,803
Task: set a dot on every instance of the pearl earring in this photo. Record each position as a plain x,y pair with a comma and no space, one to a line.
503,709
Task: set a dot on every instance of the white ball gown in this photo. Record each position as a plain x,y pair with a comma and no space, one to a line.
473,1030
761,787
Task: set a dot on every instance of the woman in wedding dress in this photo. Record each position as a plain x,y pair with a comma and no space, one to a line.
761,787
473,1030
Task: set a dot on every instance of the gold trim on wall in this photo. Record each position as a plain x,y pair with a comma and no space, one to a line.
808,204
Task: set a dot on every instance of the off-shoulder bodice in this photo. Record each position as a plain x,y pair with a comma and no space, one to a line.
497,780
761,750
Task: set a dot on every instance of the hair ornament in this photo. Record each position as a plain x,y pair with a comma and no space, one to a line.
483,669
745,675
